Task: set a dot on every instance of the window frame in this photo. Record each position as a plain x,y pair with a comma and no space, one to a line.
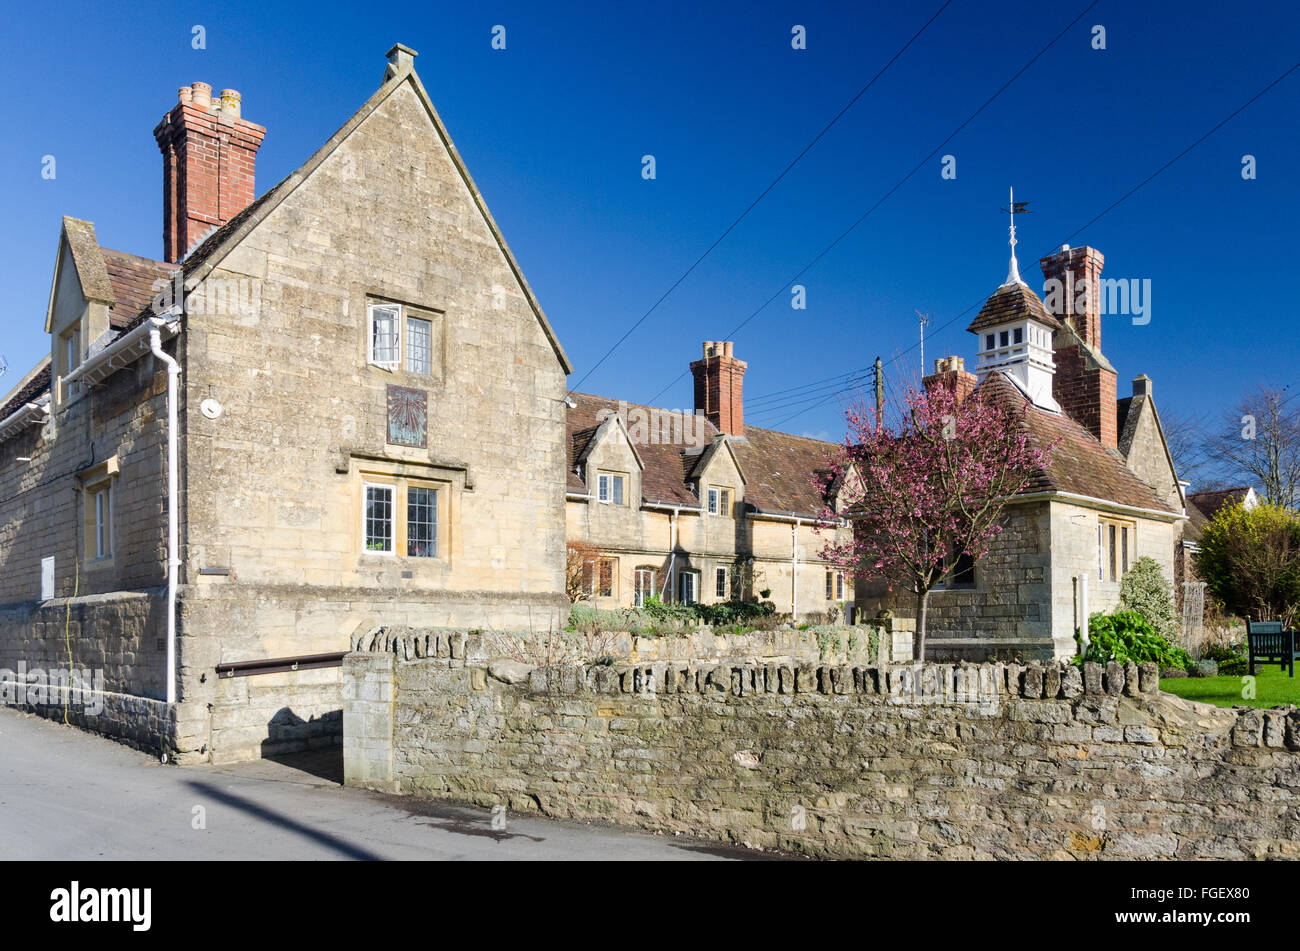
718,501
103,498
1116,547
954,583
640,593
694,576
416,486
96,514
391,489
407,320
595,572
611,488
397,314
721,583
607,577
71,340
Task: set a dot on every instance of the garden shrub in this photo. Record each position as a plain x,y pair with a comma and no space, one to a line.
1250,559
1231,658
1144,589
732,612
1205,668
1127,636
665,618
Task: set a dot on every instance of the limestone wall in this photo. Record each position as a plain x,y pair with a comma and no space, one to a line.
276,480
996,761
1007,610
42,513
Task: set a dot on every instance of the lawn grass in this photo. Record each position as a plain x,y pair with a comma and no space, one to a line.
1272,688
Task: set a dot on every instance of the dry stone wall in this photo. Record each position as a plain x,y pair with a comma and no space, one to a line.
993,761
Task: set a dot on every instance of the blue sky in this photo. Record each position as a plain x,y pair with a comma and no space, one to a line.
553,129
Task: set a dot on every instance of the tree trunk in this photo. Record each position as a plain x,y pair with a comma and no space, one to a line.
918,642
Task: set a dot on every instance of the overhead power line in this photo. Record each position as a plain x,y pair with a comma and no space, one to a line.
763,194
1107,210
897,185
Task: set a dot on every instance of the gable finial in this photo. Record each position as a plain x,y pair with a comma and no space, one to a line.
1013,209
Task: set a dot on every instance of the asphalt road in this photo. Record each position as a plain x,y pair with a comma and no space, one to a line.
70,795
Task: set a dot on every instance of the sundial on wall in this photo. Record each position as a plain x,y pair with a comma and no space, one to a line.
408,416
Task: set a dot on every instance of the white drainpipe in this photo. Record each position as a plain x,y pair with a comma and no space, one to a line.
173,487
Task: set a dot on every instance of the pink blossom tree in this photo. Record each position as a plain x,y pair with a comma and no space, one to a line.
923,492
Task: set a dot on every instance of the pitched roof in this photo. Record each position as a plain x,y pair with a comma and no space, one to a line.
86,258
1196,521
1012,302
1127,426
132,279
197,256
778,468
32,390
1211,500
214,247
1079,464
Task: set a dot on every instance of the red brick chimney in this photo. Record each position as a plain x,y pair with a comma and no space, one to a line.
1071,291
951,372
719,381
209,154
1084,383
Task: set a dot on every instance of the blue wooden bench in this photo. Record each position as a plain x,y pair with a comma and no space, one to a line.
1268,641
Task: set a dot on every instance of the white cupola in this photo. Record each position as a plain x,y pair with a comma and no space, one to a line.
1014,331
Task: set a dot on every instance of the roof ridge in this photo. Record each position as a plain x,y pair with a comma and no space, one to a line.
138,257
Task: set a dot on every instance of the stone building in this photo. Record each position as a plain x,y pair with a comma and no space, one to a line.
1108,496
366,424
700,507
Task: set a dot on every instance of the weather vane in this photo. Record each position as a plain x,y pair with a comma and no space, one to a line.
1016,208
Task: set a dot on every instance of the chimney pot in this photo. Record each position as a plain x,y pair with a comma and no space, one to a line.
230,102
1142,385
202,95
951,372
184,94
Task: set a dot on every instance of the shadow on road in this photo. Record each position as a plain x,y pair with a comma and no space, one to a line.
324,764
281,821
